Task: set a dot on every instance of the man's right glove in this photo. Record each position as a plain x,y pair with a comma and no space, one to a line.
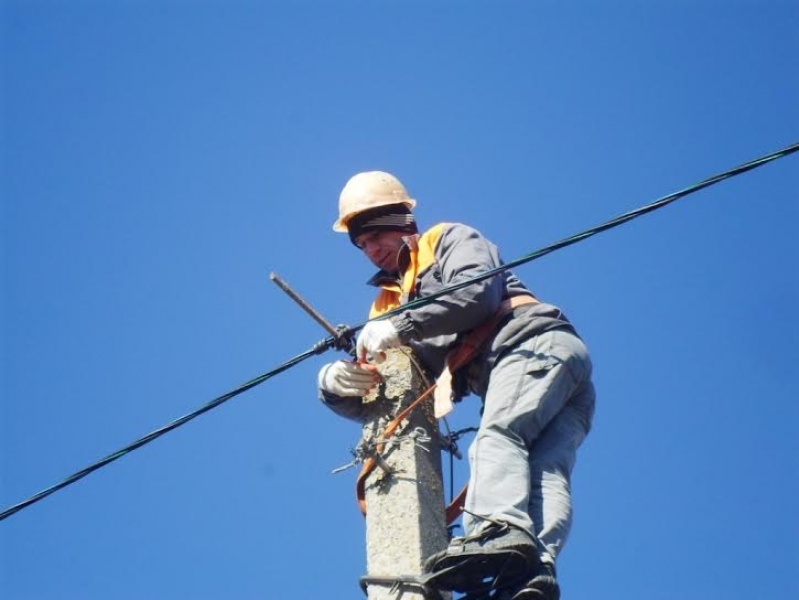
375,338
344,378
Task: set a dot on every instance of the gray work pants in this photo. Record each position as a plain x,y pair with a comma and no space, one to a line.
537,410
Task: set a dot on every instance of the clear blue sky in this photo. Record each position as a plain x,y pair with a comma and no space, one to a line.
161,158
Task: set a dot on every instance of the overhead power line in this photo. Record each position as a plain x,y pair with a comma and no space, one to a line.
335,341
578,237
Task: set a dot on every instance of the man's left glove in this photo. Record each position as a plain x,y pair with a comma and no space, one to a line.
344,378
375,338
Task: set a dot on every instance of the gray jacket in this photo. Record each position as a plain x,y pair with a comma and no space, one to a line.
455,252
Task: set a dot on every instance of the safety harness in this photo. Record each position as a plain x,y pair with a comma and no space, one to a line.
458,357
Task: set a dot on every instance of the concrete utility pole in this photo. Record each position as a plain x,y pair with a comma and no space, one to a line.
405,520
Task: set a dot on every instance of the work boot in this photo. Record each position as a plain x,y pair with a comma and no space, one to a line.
542,585
498,556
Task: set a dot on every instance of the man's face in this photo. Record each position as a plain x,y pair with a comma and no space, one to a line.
382,247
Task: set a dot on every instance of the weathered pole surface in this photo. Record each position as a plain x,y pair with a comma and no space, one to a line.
405,520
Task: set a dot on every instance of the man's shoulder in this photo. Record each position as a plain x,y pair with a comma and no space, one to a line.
450,227
452,231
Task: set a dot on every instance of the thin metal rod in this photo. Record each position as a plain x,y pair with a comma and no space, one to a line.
304,305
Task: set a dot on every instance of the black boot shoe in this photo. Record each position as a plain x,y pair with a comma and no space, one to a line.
542,586
498,556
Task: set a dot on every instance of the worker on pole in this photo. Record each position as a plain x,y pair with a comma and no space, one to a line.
532,372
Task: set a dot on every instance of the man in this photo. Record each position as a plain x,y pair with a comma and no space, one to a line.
533,374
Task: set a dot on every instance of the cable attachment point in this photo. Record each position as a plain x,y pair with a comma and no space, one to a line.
324,345
344,339
418,436
449,442
358,456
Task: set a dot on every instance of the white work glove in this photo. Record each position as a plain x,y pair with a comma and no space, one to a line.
344,378
375,338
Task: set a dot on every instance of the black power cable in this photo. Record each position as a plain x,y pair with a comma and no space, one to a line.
336,341
621,219
319,348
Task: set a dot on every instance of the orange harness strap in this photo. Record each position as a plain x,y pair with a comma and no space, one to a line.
457,358
370,463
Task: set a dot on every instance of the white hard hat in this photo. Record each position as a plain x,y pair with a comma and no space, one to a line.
368,190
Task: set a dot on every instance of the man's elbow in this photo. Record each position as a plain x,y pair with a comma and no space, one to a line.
349,407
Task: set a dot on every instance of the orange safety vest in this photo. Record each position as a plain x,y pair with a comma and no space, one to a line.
422,257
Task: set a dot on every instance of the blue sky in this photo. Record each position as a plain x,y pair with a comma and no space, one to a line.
161,158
